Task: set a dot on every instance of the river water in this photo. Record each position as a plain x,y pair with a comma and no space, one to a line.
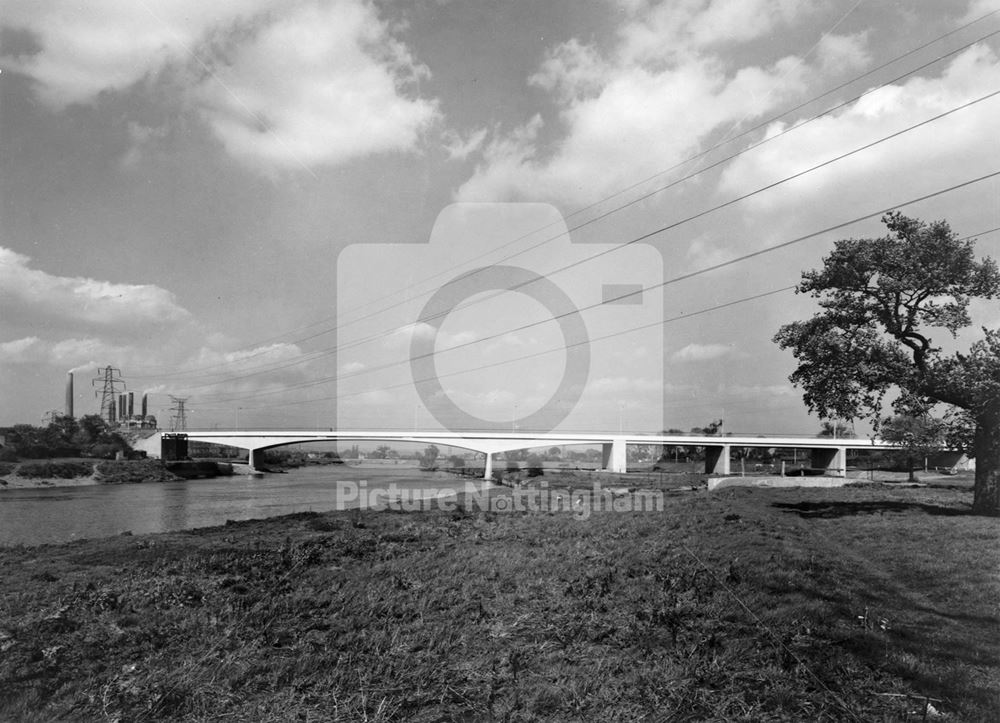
61,514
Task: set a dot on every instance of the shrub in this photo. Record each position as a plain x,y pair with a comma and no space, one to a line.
133,471
58,470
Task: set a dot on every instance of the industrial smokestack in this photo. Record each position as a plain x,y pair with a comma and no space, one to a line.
121,407
144,405
131,405
69,394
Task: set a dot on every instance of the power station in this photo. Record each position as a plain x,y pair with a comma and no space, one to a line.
118,407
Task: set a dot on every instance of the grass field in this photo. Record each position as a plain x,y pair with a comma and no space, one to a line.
866,603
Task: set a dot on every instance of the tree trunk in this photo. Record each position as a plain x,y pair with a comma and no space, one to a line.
986,499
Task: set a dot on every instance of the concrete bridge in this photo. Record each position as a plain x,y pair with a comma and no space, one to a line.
825,453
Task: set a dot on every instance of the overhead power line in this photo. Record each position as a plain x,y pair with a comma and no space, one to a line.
758,126
674,280
615,248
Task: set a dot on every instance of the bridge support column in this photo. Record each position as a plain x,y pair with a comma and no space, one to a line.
488,468
614,455
253,457
833,460
717,459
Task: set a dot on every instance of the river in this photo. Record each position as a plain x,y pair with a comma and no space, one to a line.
60,514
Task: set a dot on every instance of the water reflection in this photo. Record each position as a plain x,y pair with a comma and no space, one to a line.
35,516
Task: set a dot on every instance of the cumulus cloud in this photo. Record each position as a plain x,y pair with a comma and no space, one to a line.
242,360
658,30
107,45
964,143
702,352
978,8
839,53
28,293
81,319
282,85
459,147
646,104
322,84
68,354
18,350
352,368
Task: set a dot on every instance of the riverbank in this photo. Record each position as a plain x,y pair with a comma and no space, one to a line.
866,603
78,472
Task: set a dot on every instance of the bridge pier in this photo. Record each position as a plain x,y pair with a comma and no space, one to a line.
614,455
833,460
488,467
253,457
717,459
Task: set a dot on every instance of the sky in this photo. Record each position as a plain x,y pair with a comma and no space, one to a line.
312,213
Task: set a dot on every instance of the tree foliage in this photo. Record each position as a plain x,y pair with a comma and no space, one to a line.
428,458
836,428
917,437
88,436
880,301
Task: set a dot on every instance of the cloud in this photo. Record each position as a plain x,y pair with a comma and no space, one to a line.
459,148
978,8
352,368
282,85
242,360
762,391
839,53
644,105
322,84
956,146
34,295
670,27
68,354
702,352
626,384
18,351
82,319
107,45
402,337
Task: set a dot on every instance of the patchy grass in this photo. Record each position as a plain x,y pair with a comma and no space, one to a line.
836,604
129,471
55,470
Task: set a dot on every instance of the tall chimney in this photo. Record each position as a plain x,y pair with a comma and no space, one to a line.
121,407
131,405
144,405
69,394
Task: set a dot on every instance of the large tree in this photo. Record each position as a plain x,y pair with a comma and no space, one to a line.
880,300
